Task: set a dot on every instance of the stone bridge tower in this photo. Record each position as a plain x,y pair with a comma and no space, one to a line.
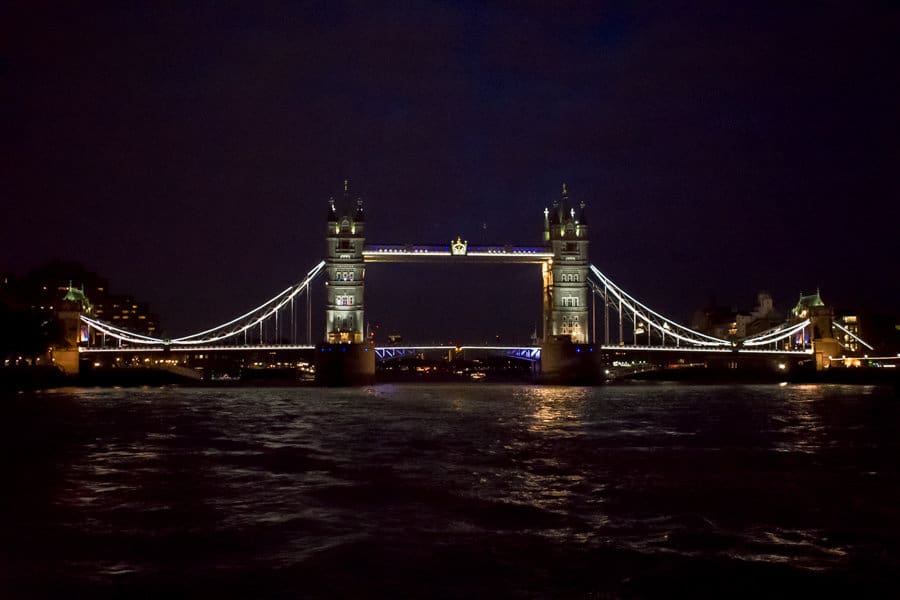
346,356
566,293
345,272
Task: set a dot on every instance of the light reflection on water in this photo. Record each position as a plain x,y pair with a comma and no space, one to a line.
134,484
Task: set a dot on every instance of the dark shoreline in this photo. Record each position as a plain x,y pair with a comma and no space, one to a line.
49,378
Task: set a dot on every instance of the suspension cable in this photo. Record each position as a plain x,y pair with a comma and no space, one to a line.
268,308
688,335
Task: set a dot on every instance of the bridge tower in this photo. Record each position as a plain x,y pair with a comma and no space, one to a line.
345,272
565,277
567,355
821,329
346,356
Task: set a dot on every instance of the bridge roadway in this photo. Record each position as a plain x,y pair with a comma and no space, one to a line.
529,352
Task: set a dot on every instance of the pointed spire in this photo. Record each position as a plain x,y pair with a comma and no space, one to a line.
332,212
360,215
563,204
556,211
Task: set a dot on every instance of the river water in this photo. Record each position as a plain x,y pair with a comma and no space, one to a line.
457,491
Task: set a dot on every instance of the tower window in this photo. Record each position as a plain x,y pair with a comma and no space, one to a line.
571,301
571,325
344,300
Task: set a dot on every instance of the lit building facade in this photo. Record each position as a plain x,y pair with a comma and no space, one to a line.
45,289
345,271
566,292
849,339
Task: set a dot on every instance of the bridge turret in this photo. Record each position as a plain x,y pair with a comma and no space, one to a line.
565,278
345,272
821,333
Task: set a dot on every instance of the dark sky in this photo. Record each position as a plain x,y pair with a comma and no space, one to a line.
187,154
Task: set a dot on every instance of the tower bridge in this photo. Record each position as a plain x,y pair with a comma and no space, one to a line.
586,316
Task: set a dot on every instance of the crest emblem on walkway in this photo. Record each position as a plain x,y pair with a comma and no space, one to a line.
459,247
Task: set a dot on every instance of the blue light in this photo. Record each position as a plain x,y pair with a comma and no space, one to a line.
578,350
343,348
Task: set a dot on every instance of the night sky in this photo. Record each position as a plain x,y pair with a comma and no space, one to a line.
187,154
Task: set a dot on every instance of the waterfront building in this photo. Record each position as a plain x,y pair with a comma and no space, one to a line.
726,322
45,288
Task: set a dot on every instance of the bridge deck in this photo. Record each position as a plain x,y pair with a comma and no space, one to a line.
185,348
400,349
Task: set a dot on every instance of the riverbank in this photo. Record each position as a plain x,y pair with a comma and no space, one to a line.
30,378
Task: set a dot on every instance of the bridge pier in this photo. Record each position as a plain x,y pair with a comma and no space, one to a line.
567,363
345,364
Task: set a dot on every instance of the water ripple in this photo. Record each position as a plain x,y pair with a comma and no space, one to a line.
524,488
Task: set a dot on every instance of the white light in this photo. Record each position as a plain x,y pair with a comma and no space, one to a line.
136,338
775,336
690,336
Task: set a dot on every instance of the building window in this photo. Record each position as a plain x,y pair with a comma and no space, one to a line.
344,300
570,301
571,325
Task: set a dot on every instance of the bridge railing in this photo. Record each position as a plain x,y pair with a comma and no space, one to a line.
530,353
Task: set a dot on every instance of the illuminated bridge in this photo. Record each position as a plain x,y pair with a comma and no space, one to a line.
584,311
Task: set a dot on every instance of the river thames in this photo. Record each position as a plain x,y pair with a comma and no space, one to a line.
452,491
